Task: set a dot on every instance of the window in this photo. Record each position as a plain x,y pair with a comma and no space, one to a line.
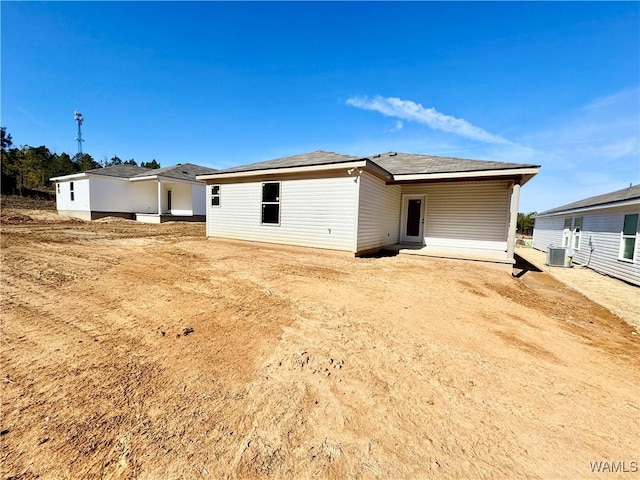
577,228
566,232
58,185
571,232
215,195
71,191
271,203
628,243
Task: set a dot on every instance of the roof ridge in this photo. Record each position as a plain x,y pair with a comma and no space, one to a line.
597,200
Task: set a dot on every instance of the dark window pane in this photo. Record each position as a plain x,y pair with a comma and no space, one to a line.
577,224
628,248
215,189
215,201
630,224
270,192
270,213
413,217
567,223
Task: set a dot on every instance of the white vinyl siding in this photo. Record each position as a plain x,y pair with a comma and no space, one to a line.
548,232
181,198
314,212
599,243
378,213
110,194
81,201
199,199
465,215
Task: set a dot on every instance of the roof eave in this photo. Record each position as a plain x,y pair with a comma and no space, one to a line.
73,176
526,174
601,206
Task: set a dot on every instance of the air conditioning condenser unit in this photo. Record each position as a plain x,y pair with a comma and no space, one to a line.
558,257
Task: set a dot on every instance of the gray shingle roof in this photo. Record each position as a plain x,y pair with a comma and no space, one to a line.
628,193
185,171
394,163
411,163
319,157
120,171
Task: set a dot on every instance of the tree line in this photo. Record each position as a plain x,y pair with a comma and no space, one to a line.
526,223
26,168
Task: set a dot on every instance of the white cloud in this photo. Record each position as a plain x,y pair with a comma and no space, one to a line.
591,150
415,112
397,127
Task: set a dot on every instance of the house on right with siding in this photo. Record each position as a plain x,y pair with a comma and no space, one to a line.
600,232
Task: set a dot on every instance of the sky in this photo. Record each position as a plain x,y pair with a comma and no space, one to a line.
222,84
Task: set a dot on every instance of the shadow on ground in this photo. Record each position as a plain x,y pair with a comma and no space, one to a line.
381,254
523,266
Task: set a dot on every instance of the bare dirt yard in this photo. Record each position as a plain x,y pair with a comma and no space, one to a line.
148,351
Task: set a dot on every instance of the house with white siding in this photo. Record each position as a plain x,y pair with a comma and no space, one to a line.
599,232
422,203
143,194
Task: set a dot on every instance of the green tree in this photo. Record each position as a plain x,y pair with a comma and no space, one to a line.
10,166
35,163
61,165
131,162
115,160
151,164
84,162
525,223
5,138
7,163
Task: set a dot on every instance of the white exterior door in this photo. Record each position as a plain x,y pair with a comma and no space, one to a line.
413,208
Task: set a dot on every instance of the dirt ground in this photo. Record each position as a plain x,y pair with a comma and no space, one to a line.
148,351
621,298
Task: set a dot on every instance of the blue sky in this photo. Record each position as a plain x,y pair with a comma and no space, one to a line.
222,84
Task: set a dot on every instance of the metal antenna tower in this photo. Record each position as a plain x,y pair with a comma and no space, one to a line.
79,119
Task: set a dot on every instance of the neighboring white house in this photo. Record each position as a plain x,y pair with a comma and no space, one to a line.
143,194
601,232
439,205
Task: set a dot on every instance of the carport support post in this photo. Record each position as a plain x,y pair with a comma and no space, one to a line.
513,219
159,197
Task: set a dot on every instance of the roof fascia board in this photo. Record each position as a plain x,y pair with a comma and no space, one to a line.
602,206
69,177
285,170
473,173
377,170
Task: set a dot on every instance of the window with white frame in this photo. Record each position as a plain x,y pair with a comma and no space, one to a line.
577,229
566,232
270,203
72,194
629,234
215,195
